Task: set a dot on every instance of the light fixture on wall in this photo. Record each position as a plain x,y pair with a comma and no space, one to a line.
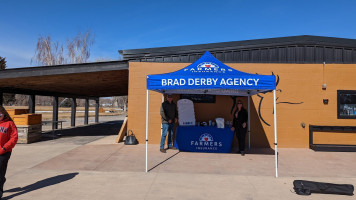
324,83
302,125
325,101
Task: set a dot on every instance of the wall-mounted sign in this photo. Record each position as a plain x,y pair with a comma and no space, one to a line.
199,98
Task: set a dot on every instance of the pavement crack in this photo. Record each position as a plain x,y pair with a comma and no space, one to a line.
109,156
149,189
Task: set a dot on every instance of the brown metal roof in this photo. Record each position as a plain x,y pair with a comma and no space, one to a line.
295,49
100,79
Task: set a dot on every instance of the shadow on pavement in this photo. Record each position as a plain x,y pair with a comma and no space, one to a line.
100,129
262,151
40,184
163,161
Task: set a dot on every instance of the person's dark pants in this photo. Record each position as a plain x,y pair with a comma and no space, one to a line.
241,137
4,159
167,128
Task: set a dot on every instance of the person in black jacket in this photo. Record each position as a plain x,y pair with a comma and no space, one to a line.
240,126
169,116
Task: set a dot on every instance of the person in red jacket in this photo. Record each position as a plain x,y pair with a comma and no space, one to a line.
8,139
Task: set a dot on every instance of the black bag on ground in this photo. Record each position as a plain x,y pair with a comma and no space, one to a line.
130,138
303,187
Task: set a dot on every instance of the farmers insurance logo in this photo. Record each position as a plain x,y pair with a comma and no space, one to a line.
208,67
206,138
206,142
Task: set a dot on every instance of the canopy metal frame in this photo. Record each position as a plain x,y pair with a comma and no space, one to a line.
210,76
249,123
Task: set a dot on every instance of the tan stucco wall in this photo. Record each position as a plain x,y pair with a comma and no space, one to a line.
298,83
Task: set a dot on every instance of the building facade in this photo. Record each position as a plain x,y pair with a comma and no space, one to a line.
315,87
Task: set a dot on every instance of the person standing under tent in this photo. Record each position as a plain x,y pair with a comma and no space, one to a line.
8,139
169,116
240,126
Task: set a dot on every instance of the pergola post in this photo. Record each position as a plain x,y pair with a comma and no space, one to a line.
32,103
97,110
86,112
1,98
55,113
73,111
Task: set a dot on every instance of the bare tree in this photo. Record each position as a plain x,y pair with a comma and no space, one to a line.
121,102
44,100
105,102
79,47
48,53
53,53
76,50
21,100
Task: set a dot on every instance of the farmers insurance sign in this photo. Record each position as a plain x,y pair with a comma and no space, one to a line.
209,68
210,81
206,143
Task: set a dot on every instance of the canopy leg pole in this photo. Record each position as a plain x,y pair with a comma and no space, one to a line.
248,121
275,131
162,102
147,131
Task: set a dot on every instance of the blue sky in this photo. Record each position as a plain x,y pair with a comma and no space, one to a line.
134,24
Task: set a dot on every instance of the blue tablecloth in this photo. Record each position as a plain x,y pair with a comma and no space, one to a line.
207,139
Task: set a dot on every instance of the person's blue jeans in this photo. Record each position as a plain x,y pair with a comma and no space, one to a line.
167,128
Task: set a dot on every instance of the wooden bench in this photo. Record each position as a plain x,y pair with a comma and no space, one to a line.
53,122
331,147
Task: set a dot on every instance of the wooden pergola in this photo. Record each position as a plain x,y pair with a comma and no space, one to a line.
88,81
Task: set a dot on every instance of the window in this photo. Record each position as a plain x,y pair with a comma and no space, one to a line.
346,104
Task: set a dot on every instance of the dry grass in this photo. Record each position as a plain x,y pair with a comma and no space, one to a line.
67,115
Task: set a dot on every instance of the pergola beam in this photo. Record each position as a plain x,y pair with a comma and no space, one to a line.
64,69
43,93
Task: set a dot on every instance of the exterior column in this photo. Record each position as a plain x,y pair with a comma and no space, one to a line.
73,112
55,113
86,112
97,110
32,103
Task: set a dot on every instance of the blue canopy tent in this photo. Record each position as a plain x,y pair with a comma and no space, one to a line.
210,76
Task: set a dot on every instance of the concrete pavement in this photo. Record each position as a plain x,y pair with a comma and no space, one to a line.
101,169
